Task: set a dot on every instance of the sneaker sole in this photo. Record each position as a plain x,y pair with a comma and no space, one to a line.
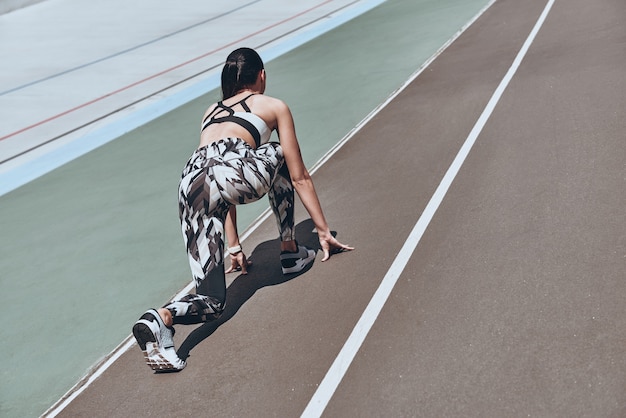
143,334
147,333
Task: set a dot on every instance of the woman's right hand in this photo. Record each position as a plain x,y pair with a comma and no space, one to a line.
239,262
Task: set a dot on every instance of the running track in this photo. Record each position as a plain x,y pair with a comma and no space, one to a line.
508,296
507,155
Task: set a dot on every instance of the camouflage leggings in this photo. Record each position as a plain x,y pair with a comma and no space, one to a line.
224,173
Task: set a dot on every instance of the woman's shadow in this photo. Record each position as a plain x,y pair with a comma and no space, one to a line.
266,271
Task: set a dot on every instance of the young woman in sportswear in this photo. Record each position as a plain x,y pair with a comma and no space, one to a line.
234,164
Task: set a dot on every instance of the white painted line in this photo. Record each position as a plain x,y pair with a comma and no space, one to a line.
335,374
90,378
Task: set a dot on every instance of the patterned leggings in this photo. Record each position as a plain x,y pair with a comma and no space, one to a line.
224,173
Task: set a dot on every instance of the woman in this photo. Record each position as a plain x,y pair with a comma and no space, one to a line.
234,164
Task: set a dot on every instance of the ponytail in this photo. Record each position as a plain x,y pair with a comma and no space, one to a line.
241,70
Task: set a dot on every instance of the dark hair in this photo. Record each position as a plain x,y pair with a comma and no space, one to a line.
240,71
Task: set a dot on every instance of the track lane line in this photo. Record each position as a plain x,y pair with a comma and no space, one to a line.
342,362
125,51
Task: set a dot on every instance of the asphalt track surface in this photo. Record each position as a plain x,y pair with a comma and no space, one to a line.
511,304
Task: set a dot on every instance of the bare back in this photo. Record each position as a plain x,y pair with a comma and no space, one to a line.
219,122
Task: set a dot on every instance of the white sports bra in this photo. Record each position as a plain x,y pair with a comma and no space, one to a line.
248,120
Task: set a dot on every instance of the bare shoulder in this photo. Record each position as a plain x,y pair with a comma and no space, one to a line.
269,107
266,100
209,110
279,106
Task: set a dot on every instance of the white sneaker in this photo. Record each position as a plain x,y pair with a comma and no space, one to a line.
298,261
156,342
